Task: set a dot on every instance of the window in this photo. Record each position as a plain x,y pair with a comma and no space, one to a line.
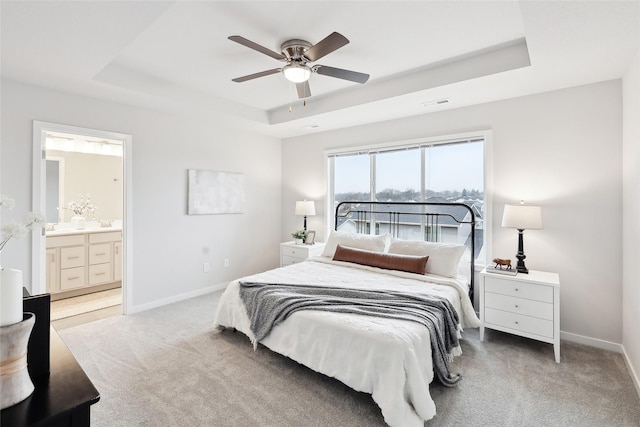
445,170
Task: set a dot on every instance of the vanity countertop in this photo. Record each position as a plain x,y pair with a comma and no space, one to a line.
70,231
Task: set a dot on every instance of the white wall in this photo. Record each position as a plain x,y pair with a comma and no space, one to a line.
169,246
631,217
561,150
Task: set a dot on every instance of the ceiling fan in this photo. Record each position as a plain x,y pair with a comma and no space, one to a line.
298,54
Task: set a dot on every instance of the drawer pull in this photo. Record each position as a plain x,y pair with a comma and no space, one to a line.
517,306
516,322
74,278
73,257
100,274
516,289
101,254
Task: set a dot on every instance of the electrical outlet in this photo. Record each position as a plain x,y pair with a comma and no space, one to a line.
205,267
226,262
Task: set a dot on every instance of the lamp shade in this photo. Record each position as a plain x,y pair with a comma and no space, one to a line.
522,217
305,207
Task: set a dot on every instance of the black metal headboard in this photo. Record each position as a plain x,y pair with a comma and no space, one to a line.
408,220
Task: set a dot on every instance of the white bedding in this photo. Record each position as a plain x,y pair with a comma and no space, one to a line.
389,358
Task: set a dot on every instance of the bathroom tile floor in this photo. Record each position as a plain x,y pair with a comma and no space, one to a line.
70,312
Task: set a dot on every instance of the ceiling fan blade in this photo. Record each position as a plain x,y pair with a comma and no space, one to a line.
256,75
340,73
256,46
325,46
304,91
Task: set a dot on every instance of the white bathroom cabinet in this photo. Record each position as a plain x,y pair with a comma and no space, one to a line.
83,260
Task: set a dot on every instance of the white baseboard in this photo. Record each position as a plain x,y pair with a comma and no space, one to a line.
593,342
634,374
605,345
159,303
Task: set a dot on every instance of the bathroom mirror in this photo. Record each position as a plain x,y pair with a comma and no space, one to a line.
78,166
54,198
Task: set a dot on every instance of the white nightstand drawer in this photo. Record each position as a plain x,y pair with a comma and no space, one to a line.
290,253
295,251
288,260
518,322
516,305
519,289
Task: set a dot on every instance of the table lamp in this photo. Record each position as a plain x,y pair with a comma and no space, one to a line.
305,208
522,217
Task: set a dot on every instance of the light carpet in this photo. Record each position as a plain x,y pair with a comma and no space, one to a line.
168,367
68,307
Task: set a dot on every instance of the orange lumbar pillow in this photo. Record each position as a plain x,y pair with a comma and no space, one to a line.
408,263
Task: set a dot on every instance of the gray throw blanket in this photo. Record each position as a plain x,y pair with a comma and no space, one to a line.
269,304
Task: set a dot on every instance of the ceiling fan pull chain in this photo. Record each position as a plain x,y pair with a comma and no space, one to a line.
290,109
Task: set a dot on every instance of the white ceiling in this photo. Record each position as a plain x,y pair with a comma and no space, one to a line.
175,56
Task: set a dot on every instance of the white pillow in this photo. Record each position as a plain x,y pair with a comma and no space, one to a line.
443,257
358,241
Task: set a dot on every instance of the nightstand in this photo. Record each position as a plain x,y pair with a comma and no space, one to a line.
290,253
525,304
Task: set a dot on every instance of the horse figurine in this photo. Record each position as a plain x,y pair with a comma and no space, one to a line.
502,262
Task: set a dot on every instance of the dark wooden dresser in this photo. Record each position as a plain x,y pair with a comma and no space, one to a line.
62,397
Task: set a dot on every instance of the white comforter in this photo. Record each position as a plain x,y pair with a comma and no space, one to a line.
389,358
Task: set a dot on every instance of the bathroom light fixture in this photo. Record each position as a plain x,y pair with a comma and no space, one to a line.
306,208
296,73
82,146
522,217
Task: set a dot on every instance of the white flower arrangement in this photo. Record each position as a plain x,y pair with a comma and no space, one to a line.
17,230
85,207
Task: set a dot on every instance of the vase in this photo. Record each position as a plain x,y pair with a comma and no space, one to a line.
10,296
299,241
15,382
78,222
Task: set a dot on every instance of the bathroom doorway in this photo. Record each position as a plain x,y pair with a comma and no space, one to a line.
81,260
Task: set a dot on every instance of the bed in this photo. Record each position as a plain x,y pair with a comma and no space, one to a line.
386,355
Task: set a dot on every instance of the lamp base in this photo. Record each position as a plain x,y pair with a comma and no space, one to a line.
520,267
520,255
15,382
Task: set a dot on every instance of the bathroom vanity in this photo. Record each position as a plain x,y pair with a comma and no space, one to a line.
83,261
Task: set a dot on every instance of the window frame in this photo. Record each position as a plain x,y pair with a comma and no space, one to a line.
485,135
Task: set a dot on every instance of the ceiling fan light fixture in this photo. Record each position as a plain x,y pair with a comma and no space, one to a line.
296,73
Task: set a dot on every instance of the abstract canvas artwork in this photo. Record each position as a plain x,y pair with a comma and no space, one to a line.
213,192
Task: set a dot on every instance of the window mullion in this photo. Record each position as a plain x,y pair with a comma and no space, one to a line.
331,192
372,176
423,190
